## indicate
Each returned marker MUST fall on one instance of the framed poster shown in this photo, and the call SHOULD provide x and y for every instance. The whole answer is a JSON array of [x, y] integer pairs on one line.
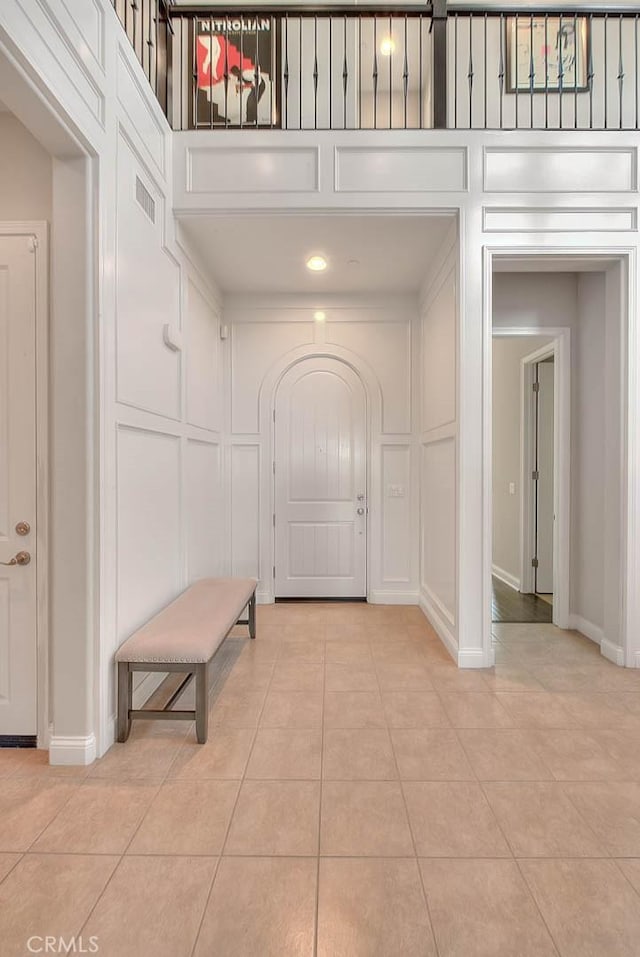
[[547, 54], [237, 72]]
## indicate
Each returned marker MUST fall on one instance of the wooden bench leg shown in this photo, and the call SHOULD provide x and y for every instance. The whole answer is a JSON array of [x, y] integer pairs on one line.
[[202, 702], [125, 687], [252, 616]]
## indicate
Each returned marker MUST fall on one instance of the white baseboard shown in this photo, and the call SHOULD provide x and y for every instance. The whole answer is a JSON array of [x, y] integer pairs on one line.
[[613, 652], [440, 620], [608, 649], [379, 596], [474, 658], [636, 660], [72, 750], [586, 628], [506, 577]]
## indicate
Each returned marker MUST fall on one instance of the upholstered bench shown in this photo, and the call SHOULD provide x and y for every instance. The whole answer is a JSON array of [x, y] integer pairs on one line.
[[184, 637]]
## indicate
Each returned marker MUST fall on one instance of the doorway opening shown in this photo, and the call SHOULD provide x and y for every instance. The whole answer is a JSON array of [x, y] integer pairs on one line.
[[558, 445]]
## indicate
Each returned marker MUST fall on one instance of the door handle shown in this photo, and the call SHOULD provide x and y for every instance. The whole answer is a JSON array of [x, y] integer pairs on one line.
[[22, 558], [360, 511]]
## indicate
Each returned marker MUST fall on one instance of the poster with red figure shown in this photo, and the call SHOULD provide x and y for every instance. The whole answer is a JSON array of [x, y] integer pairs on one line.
[[235, 69]]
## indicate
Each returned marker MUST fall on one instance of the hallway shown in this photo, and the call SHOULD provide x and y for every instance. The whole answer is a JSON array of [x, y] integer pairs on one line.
[[358, 795]]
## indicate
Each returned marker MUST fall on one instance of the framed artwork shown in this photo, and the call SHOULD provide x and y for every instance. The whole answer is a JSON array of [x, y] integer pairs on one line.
[[547, 53], [237, 72]]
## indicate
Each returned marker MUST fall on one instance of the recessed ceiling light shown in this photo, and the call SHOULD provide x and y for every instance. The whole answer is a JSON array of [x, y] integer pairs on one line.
[[316, 263], [319, 316], [388, 46]]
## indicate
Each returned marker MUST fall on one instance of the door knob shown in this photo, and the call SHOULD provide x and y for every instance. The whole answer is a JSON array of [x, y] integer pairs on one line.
[[22, 558], [23, 528], [360, 511]]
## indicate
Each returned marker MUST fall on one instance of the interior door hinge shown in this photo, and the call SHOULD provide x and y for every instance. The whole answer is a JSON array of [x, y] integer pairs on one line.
[[534, 562], [274, 415], [535, 475], [274, 571], [274, 519], [274, 468], [536, 386]]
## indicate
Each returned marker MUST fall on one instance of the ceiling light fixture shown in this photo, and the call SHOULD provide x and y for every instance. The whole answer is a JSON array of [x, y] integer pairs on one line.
[[316, 263], [388, 46], [319, 316]]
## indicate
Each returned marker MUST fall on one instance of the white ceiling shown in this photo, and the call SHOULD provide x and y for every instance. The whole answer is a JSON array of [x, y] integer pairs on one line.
[[267, 253]]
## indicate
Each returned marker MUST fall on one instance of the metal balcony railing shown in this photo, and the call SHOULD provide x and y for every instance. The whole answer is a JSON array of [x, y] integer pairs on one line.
[[415, 67]]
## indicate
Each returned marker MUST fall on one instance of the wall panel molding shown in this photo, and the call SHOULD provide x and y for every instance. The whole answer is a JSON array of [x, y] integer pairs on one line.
[[530, 219], [238, 169], [394, 169], [559, 169]]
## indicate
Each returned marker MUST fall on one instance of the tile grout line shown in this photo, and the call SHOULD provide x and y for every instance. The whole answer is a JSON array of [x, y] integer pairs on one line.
[[317, 901], [235, 803], [413, 841]]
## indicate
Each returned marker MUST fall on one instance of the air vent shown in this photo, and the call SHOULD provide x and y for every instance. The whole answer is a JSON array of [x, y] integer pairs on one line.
[[145, 199]]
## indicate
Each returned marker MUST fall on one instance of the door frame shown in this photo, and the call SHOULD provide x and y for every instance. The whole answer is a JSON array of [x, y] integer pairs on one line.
[[39, 231], [627, 652], [560, 349], [266, 401], [367, 454]]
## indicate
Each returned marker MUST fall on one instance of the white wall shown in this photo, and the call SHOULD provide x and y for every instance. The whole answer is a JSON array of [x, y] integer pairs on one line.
[[268, 334], [438, 424], [507, 439], [25, 174]]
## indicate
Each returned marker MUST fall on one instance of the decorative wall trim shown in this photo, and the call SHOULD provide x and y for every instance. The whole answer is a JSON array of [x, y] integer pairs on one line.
[[252, 169], [568, 169], [475, 658], [434, 613], [551, 219], [72, 751], [394, 169], [506, 577], [380, 596], [587, 628]]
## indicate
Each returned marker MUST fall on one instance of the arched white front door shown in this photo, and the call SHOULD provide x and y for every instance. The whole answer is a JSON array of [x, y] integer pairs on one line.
[[320, 482]]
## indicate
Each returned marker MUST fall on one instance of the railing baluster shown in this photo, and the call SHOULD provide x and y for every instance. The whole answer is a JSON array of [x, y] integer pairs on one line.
[[576, 58], [532, 72], [620, 71], [285, 74], [560, 74], [315, 72], [405, 71], [391, 42], [546, 70], [637, 68], [470, 73], [501, 68], [420, 78], [606, 73], [375, 73], [484, 67], [330, 26], [345, 73], [455, 71], [590, 73]]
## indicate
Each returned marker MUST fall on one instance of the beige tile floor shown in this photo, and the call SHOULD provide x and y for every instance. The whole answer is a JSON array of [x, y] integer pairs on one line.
[[358, 797]]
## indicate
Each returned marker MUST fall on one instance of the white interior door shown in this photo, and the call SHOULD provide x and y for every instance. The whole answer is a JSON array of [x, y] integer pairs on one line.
[[544, 485], [320, 482], [18, 676]]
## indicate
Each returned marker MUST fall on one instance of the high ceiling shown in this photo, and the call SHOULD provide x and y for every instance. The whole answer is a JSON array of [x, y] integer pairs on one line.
[[365, 253]]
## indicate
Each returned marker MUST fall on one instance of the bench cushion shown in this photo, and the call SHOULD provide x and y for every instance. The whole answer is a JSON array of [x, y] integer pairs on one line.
[[192, 627]]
